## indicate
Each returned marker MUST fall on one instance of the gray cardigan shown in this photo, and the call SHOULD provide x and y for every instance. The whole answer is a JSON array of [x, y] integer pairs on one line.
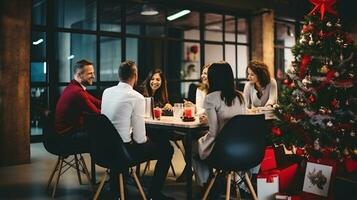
[[269, 95]]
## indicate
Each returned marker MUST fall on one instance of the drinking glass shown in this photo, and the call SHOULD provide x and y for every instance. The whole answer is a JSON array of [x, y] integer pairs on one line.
[[178, 110], [157, 113], [189, 111]]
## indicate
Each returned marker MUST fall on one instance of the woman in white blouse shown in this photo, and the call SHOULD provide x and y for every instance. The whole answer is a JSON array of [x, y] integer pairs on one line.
[[261, 90], [202, 90], [221, 104]]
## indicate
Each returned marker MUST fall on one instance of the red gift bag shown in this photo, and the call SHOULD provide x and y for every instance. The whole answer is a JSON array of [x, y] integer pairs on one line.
[[287, 175], [269, 161]]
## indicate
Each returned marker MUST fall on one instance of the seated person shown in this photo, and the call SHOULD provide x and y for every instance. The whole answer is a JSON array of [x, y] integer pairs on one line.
[[125, 108], [261, 90], [73, 102], [221, 104], [155, 86]]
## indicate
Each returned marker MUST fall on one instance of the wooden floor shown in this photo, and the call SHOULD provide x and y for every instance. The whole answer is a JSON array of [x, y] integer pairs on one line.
[[29, 181]]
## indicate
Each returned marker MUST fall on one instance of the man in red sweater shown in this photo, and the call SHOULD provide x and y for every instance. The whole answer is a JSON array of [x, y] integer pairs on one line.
[[74, 101]]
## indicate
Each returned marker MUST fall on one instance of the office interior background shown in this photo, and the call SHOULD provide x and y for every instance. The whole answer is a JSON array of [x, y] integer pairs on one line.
[[42, 39]]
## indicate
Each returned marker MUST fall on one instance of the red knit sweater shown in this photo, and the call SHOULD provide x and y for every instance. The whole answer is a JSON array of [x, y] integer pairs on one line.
[[73, 102]]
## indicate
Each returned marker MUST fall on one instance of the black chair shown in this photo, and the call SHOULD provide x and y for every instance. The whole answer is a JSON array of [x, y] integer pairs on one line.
[[108, 151], [67, 158], [238, 147]]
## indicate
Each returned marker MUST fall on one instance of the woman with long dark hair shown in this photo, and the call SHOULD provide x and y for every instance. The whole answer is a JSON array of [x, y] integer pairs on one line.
[[222, 102], [155, 86]]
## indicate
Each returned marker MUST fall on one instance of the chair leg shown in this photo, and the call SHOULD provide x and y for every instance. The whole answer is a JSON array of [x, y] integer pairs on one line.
[[147, 167], [173, 169], [77, 169], [210, 185], [55, 168], [142, 193], [250, 186], [180, 148], [121, 187], [237, 186], [85, 170], [58, 176], [100, 187], [228, 186]]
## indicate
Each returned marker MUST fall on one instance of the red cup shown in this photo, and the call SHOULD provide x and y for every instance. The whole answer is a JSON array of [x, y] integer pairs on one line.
[[187, 113], [157, 113]]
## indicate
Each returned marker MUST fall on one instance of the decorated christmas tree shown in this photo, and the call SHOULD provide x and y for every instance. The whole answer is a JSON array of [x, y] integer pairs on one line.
[[318, 98]]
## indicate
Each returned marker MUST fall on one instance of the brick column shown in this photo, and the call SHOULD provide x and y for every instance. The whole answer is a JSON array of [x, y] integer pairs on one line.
[[15, 38], [263, 38]]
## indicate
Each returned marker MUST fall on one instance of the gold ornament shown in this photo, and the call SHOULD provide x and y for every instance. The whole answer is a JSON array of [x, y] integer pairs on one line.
[[324, 69]]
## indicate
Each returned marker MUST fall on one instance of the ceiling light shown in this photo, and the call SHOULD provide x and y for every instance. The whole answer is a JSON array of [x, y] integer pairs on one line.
[[148, 10], [177, 15], [39, 41]]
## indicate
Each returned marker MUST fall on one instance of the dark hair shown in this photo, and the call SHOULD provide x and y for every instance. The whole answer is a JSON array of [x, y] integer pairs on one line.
[[160, 96], [202, 86], [80, 65], [220, 78], [126, 70], [261, 70]]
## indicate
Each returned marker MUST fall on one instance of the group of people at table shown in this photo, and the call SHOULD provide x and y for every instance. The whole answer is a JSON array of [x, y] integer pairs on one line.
[[217, 101]]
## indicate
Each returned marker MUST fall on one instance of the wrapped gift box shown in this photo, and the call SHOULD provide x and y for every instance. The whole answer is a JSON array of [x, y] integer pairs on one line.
[[350, 165], [267, 184], [269, 161]]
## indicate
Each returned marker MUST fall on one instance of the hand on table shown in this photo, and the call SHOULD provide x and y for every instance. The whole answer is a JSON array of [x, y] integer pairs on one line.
[[167, 107], [203, 119]]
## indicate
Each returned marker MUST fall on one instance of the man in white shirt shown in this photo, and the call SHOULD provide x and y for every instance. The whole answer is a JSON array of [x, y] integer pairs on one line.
[[125, 108]]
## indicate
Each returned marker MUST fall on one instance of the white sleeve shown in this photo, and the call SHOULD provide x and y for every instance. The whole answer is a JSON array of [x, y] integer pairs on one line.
[[200, 97], [246, 94], [273, 93], [137, 121]]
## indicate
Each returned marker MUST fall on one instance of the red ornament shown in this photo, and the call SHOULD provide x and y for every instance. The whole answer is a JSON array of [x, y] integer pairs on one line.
[[300, 151], [292, 85], [323, 6], [307, 28], [311, 98], [287, 82], [335, 103], [305, 61], [194, 49], [276, 131]]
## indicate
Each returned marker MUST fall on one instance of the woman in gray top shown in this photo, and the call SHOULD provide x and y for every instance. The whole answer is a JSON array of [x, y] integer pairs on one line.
[[261, 90]]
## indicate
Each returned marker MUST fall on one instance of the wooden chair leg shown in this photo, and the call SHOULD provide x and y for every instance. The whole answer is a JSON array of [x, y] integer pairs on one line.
[[250, 186], [147, 167], [77, 169], [228, 186], [173, 169], [55, 168], [85, 169], [210, 185], [237, 186], [121, 187], [58, 177], [142, 193], [100, 187]]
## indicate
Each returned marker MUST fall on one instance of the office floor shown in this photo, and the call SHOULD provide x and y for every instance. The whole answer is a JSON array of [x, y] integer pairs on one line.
[[29, 181]]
